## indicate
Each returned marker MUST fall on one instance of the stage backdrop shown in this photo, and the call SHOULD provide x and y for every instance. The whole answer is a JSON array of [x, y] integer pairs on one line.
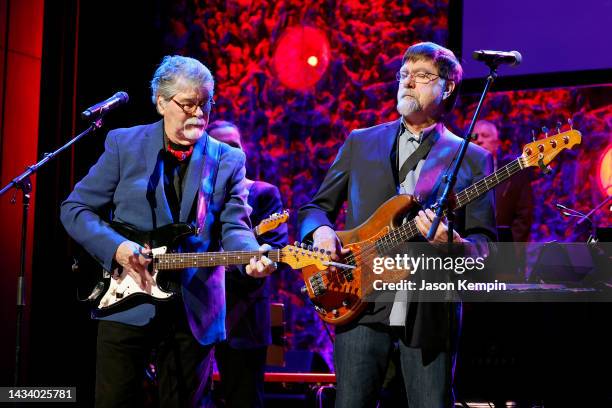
[[297, 76]]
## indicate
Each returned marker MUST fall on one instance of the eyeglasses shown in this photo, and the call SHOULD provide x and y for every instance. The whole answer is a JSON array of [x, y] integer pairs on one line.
[[191, 108], [418, 77]]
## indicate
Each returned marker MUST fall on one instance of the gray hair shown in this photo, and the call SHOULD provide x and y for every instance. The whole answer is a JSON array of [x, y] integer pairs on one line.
[[176, 68]]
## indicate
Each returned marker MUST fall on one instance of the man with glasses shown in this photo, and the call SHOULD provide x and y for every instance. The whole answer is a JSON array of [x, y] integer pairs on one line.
[[150, 176], [405, 156]]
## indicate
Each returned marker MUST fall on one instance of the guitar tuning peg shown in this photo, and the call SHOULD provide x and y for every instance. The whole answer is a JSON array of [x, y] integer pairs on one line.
[[545, 130], [559, 124], [570, 122], [533, 135], [310, 247], [315, 249], [297, 244], [322, 251], [303, 245], [328, 253]]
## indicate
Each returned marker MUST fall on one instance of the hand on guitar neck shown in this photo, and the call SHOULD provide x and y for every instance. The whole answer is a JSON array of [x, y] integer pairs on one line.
[[423, 222], [325, 238], [134, 260], [262, 267]]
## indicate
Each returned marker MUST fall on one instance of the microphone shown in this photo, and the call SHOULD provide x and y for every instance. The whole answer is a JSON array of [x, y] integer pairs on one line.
[[498, 57], [100, 109]]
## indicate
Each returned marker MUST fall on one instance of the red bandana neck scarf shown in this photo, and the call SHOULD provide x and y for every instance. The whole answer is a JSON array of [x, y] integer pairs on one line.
[[180, 155]]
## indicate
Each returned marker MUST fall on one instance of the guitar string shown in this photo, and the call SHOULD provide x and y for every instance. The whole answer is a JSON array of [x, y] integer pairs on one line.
[[388, 241], [409, 230], [384, 243], [511, 168]]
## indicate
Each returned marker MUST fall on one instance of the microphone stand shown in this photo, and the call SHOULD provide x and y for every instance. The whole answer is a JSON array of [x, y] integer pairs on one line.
[[570, 212], [444, 204], [23, 183], [593, 237]]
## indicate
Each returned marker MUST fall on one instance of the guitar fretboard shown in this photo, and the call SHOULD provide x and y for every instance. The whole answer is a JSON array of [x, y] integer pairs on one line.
[[409, 230], [209, 259]]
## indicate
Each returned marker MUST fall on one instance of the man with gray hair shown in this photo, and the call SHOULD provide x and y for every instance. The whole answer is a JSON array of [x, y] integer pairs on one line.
[[150, 176]]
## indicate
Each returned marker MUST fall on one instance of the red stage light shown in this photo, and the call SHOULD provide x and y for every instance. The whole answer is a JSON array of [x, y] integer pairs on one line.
[[301, 57], [605, 172]]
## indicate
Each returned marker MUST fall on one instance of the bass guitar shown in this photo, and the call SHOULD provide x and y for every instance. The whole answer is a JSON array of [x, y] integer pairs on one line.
[[338, 297]]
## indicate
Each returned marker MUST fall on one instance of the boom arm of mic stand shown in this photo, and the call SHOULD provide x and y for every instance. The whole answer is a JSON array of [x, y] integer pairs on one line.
[[450, 179], [18, 181], [22, 182]]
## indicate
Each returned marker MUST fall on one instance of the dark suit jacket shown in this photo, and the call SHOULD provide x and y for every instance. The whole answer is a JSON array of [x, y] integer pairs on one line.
[[129, 178], [514, 203], [365, 174], [248, 305]]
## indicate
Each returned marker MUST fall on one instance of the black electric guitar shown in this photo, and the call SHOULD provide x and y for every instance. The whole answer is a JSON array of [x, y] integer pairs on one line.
[[122, 293]]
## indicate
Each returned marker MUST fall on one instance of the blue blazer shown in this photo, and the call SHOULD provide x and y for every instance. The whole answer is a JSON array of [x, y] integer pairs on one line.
[[128, 180], [365, 175]]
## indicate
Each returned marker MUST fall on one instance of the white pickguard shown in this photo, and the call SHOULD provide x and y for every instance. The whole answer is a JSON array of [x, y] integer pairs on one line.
[[125, 286]]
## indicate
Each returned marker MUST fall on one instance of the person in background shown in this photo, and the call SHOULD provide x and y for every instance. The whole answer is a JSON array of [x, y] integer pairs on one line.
[[241, 357], [513, 197]]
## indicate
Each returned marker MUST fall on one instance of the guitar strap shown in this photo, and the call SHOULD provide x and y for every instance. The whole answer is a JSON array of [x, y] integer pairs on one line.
[[412, 160]]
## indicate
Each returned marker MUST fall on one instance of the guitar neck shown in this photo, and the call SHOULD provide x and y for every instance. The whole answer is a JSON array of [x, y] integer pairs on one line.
[[210, 259], [409, 230], [479, 188]]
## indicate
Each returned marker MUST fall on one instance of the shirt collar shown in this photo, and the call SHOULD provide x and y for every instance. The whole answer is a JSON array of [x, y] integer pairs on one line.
[[421, 136]]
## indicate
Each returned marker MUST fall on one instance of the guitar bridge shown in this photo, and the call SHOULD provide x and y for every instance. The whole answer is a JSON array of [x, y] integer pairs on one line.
[[317, 285]]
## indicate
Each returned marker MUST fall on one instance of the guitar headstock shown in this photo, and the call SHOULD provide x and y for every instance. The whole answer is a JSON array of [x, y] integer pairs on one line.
[[272, 222], [543, 151], [300, 256]]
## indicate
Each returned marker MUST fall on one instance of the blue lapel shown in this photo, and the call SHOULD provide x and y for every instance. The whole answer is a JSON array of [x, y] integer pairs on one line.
[[435, 166], [193, 177], [154, 146], [387, 141]]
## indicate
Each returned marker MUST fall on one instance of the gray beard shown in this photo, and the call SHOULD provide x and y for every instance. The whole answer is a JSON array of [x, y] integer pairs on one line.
[[406, 106]]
